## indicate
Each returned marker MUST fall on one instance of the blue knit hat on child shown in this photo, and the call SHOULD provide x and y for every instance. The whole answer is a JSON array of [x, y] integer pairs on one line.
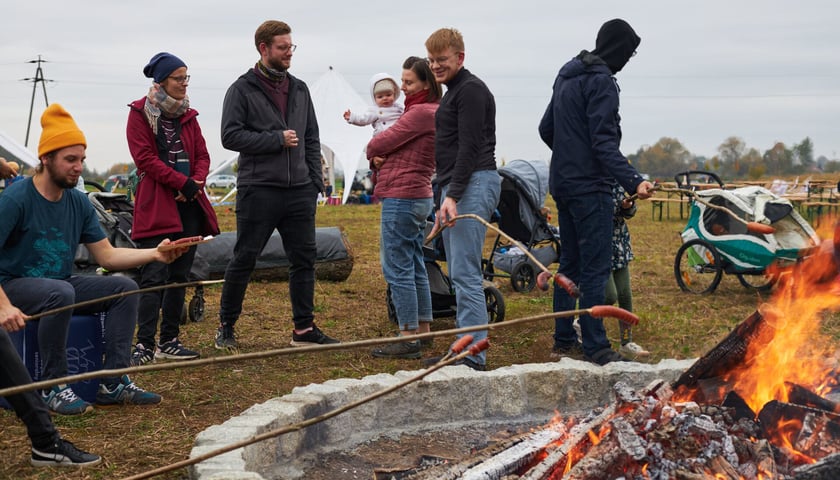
[[162, 65]]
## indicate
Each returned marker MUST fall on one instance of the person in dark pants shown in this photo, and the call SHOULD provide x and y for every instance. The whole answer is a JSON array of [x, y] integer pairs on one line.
[[43, 220], [48, 448], [268, 117], [167, 146], [581, 126]]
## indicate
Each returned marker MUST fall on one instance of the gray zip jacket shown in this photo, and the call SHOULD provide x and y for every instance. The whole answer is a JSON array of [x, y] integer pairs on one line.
[[253, 126]]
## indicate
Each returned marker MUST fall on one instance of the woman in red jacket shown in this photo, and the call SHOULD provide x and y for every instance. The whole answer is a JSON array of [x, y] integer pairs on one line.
[[167, 146], [404, 156]]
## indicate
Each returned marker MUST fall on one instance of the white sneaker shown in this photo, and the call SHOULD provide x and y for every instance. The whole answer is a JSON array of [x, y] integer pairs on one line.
[[633, 350]]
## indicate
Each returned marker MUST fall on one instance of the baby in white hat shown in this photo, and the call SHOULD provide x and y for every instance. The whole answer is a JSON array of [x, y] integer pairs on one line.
[[385, 91]]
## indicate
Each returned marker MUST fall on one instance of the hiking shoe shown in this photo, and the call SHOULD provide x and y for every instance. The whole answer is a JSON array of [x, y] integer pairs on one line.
[[174, 350], [141, 356], [125, 392], [312, 337], [62, 400], [62, 454], [633, 350], [605, 356], [427, 343], [574, 350], [409, 350], [226, 338]]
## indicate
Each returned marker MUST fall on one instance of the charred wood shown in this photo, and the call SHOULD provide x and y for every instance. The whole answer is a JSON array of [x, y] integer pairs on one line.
[[802, 396], [828, 468]]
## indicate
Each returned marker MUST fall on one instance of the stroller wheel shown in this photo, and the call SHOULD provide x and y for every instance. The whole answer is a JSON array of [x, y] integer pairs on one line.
[[523, 278], [697, 267], [760, 282], [196, 308], [495, 303]]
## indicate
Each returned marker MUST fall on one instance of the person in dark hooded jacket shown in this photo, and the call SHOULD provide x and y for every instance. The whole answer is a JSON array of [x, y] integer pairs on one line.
[[581, 126]]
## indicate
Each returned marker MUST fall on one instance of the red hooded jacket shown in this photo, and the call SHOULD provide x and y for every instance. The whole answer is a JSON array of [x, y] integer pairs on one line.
[[155, 209]]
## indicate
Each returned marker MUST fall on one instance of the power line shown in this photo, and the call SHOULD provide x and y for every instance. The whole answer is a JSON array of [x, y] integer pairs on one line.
[[39, 77]]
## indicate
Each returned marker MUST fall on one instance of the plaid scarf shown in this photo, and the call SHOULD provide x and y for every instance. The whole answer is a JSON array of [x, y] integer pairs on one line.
[[158, 103], [270, 73]]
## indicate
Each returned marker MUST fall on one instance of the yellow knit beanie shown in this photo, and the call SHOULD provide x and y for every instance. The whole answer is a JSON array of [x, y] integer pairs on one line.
[[58, 130]]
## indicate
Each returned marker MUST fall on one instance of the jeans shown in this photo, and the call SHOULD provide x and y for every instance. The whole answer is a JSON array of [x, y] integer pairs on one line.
[[33, 295], [585, 223], [403, 226], [259, 211], [464, 244], [29, 406], [169, 302]]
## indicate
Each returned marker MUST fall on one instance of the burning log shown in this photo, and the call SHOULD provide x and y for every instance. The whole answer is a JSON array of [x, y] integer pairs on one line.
[[802, 396], [825, 469], [729, 353], [801, 433]]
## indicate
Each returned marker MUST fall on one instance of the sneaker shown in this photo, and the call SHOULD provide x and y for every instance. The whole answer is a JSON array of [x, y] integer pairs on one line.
[[226, 338], [409, 350], [633, 350], [62, 400], [427, 343], [605, 356], [62, 454], [574, 350], [141, 356], [432, 361], [125, 392], [174, 350], [312, 337]]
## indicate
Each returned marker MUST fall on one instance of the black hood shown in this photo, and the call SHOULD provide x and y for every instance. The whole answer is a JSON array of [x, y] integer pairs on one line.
[[616, 43]]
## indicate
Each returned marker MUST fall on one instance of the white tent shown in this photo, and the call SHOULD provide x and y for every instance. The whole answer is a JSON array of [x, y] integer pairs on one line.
[[10, 149], [340, 141], [345, 143]]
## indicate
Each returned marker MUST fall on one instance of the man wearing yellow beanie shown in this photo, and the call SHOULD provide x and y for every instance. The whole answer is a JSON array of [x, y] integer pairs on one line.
[[43, 219]]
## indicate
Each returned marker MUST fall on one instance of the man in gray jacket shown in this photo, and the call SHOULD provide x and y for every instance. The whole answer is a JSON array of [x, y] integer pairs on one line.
[[268, 117]]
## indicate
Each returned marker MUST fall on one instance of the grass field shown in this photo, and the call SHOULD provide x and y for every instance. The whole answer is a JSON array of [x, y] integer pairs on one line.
[[133, 439]]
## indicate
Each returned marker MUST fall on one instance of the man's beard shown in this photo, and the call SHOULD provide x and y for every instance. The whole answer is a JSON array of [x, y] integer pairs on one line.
[[57, 179]]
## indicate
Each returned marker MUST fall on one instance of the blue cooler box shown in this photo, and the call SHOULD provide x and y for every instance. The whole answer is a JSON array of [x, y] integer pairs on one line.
[[84, 352]]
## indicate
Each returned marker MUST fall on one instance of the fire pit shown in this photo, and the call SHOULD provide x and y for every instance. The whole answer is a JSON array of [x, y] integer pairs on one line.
[[448, 400]]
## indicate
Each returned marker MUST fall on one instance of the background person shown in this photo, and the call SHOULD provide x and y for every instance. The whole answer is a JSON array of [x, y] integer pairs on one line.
[[465, 156], [167, 146], [618, 283], [43, 219], [581, 126], [404, 155], [48, 448], [268, 117]]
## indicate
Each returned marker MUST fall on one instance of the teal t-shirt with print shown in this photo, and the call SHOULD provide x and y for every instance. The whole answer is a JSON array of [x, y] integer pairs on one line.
[[38, 237]]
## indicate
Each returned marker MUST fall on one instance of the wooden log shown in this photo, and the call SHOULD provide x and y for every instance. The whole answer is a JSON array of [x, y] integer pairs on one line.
[[728, 353], [825, 469], [813, 433], [802, 396]]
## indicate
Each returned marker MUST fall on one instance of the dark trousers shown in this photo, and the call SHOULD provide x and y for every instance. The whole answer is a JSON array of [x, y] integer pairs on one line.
[[33, 295], [170, 302], [29, 406], [260, 211]]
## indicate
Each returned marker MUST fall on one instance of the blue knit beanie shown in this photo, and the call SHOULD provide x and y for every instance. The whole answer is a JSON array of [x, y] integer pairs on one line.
[[161, 65]]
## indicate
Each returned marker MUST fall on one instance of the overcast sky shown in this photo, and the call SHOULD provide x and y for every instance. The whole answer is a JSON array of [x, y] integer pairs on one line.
[[764, 71]]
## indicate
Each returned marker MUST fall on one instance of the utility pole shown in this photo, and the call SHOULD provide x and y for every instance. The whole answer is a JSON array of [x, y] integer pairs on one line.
[[39, 77]]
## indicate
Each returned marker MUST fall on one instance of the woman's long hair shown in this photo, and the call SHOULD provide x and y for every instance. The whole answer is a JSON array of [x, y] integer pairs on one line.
[[421, 68]]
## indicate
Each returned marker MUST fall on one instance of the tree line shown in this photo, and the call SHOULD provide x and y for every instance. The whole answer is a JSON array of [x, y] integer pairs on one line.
[[733, 161]]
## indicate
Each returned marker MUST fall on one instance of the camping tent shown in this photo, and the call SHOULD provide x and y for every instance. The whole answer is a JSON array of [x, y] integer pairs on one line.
[[12, 150], [341, 142], [345, 143]]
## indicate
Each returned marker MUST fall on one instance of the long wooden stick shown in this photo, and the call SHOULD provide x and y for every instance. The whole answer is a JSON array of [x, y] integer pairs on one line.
[[595, 311], [115, 296], [312, 421], [753, 227]]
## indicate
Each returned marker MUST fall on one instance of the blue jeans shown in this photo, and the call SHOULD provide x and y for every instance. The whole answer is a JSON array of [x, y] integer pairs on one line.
[[259, 211], [403, 225], [585, 223], [464, 244], [33, 295]]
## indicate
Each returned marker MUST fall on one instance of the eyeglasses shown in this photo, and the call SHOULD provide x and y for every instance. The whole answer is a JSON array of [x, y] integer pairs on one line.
[[181, 80], [438, 60], [286, 48]]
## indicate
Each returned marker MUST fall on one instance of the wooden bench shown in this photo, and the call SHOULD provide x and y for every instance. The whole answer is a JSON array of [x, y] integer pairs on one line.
[[656, 204]]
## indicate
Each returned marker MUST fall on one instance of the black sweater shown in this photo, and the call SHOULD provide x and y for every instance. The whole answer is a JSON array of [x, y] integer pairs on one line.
[[465, 132]]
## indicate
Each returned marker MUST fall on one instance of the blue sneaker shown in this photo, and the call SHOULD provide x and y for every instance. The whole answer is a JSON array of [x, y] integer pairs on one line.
[[62, 400], [125, 392]]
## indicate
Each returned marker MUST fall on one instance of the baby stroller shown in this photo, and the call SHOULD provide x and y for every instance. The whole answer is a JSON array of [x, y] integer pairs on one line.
[[714, 242], [443, 295], [522, 217]]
